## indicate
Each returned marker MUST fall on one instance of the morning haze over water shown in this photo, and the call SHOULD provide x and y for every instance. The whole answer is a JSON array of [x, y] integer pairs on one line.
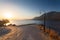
[[22, 22], [29, 19]]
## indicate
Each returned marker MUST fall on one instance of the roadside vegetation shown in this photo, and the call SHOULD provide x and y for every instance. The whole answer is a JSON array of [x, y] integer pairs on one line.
[[3, 29], [52, 34], [3, 22]]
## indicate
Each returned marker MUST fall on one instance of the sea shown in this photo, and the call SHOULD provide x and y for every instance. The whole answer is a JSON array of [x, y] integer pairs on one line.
[[55, 25], [23, 22]]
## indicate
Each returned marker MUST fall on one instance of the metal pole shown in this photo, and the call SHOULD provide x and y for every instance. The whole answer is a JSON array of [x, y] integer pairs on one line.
[[44, 22]]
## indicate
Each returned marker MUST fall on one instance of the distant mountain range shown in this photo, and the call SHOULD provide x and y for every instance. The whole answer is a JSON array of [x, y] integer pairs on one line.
[[53, 15]]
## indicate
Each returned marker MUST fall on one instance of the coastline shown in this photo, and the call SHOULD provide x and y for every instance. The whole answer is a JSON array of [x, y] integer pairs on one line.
[[49, 33]]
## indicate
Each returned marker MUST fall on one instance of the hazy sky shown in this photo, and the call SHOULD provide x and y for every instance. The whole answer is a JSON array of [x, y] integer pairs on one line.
[[27, 9]]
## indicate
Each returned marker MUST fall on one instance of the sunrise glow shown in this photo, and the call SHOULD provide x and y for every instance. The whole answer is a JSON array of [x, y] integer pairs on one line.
[[8, 15]]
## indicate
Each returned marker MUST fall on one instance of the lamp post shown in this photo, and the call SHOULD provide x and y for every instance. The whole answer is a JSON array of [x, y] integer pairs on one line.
[[45, 17], [44, 22]]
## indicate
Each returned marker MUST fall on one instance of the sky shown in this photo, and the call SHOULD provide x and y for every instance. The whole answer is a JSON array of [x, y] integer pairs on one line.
[[27, 9]]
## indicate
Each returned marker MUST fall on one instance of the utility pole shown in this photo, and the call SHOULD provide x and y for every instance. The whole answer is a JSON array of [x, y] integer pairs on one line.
[[44, 20]]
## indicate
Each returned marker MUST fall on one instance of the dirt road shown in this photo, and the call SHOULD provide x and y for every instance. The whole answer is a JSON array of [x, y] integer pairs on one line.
[[29, 32]]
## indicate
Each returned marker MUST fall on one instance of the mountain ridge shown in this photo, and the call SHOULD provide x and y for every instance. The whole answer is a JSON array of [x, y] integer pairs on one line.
[[53, 15]]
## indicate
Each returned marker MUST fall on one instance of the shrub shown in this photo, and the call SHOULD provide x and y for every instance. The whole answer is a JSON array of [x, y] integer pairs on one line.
[[3, 22]]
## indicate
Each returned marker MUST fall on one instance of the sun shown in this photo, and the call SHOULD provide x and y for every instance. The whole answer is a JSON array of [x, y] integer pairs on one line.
[[8, 15]]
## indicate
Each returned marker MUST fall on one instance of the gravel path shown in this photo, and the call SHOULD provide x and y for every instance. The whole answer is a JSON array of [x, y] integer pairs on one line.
[[24, 33]]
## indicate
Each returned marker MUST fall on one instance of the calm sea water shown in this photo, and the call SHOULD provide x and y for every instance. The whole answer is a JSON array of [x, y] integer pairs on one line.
[[49, 24], [22, 22]]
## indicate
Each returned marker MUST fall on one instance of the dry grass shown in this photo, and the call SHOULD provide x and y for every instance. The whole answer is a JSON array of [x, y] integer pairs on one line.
[[53, 35]]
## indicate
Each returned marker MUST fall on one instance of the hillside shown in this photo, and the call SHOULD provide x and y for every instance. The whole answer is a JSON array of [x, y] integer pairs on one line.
[[49, 16]]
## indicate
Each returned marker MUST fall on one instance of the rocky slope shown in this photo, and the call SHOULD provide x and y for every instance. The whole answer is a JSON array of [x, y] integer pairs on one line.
[[49, 16]]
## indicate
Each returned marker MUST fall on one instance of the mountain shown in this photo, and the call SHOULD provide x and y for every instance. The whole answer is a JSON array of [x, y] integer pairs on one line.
[[53, 15]]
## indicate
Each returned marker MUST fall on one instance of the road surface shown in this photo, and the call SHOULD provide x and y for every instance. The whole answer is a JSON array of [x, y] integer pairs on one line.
[[29, 32], [32, 33]]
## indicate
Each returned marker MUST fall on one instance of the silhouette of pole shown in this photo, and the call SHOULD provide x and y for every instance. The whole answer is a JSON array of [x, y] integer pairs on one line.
[[44, 22]]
